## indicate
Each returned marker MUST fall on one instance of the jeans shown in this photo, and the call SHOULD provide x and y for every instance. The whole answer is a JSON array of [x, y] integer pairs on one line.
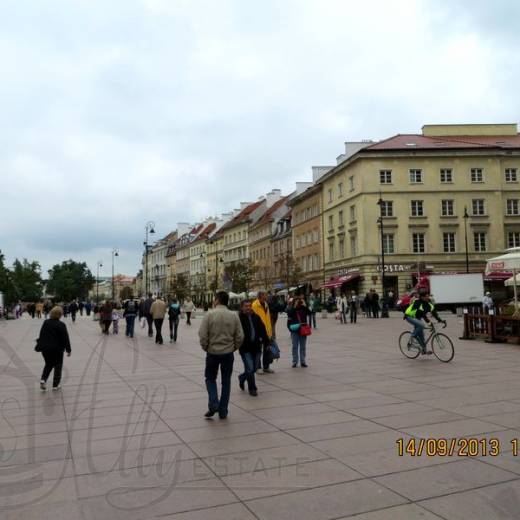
[[213, 362], [299, 347], [251, 364], [158, 330], [130, 322], [188, 318], [312, 319], [174, 325], [149, 320], [418, 331], [375, 310], [353, 314], [53, 360]]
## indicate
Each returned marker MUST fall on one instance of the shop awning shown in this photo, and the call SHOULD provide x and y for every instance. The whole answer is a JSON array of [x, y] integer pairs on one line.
[[338, 281], [498, 276]]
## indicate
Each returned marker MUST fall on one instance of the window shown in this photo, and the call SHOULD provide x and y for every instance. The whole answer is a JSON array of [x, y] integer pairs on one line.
[[479, 240], [352, 213], [447, 208], [388, 244], [418, 243], [385, 176], [446, 175], [511, 175], [340, 189], [387, 208], [330, 196], [477, 175], [512, 207], [353, 246], [342, 248], [448, 242], [513, 239], [331, 250], [331, 222], [316, 234], [417, 208], [340, 218], [415, 176], [478, 207], [351, 183]]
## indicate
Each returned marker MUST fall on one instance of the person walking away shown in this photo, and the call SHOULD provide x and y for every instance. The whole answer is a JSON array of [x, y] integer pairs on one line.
[[46, 309], [129, 314], [296, 317], [81, 306], [220, 334], [261, 309], [105, 317], [174, 314], [73, 309], [147, 305], [417, 311], [375, 304], [88, 308], [116, 316], [32, 310], [52, 342], [344, 309], [353, 302], [251, 348], [487, 302], [367, 304], [39, 309], [313, 304], [189, 308], [158, 311]]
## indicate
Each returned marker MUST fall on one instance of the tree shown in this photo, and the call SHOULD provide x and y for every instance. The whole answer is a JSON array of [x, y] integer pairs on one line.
[[265, 276], [181, 286], [239, 274], [70, 280], [6, 282], [26, 280], [126, 293], [290, 271]]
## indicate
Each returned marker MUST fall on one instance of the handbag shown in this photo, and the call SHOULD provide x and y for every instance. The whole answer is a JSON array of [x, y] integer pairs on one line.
[[295, 327], [305, 329], [274, 349]]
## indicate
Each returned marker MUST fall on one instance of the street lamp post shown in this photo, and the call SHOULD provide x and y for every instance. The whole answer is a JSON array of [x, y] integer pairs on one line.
[[99, 264], [115, 252], [149, 229], [384, 310], [466, 216]]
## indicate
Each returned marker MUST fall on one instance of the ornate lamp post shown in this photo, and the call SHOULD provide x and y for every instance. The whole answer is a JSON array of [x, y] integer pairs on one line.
[[380, 220], [99, 264], [149, 229], [115, 252]]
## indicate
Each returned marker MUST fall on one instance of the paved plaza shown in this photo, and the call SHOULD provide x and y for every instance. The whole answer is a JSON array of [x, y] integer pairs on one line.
[[126, 439]]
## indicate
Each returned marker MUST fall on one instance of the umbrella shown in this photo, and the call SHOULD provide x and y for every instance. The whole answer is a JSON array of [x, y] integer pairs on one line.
[[510, 282], [510, 261]]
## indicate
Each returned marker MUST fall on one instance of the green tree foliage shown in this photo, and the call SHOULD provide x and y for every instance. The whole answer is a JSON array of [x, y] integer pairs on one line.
[[26, 280], [6, 282], [70, 280], [240, 274], [181, 286]]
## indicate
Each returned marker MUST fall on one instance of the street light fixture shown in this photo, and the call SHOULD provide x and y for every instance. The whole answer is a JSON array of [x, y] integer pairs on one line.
[[466, 216], [115, 252], [99, 264], [380, 221], [149, 229]]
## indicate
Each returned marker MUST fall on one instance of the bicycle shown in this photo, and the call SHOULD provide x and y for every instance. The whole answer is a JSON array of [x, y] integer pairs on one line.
[[441, 345]]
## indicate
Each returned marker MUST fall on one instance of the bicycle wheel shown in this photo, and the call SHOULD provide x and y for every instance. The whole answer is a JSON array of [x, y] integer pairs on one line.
[[408, 345], [442, 347]]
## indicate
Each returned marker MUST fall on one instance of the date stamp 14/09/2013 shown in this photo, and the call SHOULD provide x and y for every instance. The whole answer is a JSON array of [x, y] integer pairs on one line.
[[455, 447]]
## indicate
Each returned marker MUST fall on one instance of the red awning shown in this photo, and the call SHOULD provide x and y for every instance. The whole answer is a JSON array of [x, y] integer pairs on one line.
[[338, 281], [497, 276]]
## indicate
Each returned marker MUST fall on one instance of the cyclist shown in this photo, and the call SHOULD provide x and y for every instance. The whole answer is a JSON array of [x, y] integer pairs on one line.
[[417, 311]]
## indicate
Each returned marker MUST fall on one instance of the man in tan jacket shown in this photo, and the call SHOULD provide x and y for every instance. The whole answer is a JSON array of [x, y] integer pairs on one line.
[[158, 311], [220, 334]]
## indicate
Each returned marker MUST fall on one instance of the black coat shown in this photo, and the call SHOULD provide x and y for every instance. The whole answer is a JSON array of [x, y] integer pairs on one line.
[[295, 316], [260, 334], [54, 337]]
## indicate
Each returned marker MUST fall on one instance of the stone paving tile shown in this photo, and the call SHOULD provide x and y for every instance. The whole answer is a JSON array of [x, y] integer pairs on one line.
[[417, 419], [334, 431], [407, 512], [372, 412], [463, 427], [315, 419], [230, 512]]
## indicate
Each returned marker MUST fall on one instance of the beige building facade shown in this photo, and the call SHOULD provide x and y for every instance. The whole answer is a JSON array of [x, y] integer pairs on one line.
[[421, 185]]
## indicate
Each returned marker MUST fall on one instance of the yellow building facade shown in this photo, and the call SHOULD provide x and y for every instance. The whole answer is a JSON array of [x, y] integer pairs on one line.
[[421, 185]]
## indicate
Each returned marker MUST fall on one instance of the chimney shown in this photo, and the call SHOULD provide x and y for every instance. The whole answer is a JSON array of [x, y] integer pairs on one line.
[[272, 197], [243, 205], [353, 147], [227, 216], [319, 171], [183, 228], [302, 186]]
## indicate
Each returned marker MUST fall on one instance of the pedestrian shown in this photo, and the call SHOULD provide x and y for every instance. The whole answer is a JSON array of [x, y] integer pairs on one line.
[[17, 311], [73, 309], [275, 307], [105, 317], [261, 309], [313, 305], [88, 308], [81, 306], [147, 305], [52, 342], [297, 325], [251, 349], [116, 316], [158, 311], [46, 309], [220, 334], [174, 313], [188, 308], [367, 304], [353, 303], [487, 302], [375, 304], [130, 312], [39, 310], [32, 309]]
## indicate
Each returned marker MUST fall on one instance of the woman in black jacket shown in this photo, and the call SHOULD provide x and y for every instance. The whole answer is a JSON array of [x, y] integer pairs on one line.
[[52, 343]]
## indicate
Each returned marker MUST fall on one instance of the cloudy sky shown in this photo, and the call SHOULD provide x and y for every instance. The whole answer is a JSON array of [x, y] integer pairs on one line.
[[123, 111]]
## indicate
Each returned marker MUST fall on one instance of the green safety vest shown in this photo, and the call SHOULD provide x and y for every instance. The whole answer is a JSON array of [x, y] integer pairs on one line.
[[411, 311]]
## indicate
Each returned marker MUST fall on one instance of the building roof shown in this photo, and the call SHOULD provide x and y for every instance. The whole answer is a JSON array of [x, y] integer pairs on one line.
[[206, 232], [422, 142], [243, 216], [309, 192], [268, 215]]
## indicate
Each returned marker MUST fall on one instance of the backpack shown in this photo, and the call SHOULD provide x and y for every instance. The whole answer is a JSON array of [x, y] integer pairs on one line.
[[131, 308]]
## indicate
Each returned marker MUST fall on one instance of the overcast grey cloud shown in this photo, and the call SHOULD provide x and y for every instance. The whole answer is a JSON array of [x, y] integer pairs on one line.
[[115, 113]]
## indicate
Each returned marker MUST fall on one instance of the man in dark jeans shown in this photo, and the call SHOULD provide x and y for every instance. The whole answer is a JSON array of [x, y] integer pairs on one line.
[[158, 312], [220, 334], [147, 314]]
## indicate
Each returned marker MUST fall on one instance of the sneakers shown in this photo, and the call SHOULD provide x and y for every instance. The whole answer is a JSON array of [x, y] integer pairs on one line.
[[54, 388], [241, 384], [209, 414], [43, 386], [268, 371], [294, 365], [304, 365], [254, 393]]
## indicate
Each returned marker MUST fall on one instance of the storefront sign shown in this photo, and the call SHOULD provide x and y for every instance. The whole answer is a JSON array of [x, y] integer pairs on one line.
[[347, 270], [396, 268]]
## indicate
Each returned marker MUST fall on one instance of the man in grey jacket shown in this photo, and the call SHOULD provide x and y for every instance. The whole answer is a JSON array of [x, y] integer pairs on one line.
[[220, 334]]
